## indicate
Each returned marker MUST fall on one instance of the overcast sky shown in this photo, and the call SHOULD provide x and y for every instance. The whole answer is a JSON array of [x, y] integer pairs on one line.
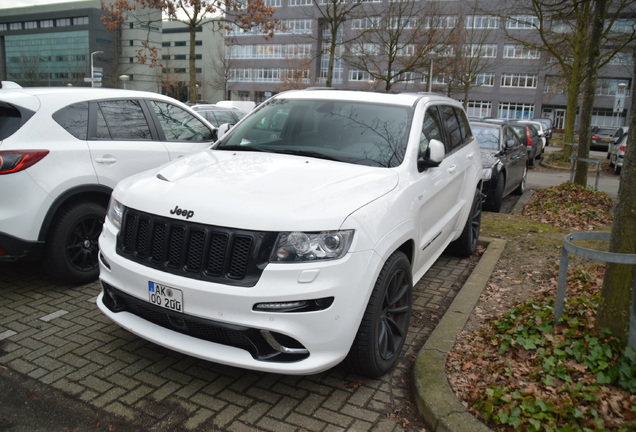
[[20, 3]]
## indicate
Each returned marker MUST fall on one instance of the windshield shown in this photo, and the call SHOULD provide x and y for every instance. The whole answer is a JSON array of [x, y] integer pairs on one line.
[[488, 137], [345, 131]]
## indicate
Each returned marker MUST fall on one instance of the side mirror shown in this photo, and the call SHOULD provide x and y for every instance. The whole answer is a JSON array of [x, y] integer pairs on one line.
[[222, 130], [434, 155]]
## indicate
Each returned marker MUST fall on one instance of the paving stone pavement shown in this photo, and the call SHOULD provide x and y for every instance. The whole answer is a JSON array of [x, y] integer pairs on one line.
[[54, 337]]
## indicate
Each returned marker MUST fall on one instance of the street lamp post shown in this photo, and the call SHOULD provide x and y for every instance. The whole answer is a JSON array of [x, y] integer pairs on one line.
[[92, 66], [123, 79], [432, 55]]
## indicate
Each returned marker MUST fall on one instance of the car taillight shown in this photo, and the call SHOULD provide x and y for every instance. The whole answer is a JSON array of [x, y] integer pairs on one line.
[[595, 137], [623, 148], [529, 143], [18, 160]]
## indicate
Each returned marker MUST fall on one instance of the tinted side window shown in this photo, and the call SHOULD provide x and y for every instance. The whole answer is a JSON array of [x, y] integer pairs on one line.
[[11, 119], [225, 117], [464, 126], [74, 119], [180, 125], [122, 120], [451, 125], [431, 129]]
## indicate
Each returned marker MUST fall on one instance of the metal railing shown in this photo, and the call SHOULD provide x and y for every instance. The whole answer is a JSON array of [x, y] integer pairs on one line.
[[611, 257]]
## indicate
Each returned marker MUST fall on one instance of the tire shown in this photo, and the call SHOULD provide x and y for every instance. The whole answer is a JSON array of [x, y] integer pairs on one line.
[[466, 244], [493, 203], [71, 249], [531, 160], [521, 188], [617, 169], [384, 327]]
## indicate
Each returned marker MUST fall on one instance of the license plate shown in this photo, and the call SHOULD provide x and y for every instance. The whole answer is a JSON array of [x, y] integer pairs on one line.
[[165, 296]]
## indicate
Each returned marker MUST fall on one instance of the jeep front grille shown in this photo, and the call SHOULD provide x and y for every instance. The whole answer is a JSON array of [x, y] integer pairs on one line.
[[193, 250]]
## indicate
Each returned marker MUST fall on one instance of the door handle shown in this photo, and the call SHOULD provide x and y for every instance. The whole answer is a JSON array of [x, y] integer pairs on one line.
[[452, 169], [106, 160], [470, 155]]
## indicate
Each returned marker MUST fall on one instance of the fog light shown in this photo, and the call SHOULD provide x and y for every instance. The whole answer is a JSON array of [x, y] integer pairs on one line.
[[295, 306]]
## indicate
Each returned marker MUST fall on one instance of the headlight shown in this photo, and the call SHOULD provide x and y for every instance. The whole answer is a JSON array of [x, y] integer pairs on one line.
[[487, 173], [115, 212], [311, 246]]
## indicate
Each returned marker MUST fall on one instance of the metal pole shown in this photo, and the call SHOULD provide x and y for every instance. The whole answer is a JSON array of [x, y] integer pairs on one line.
[[430, 76], [92, 62]]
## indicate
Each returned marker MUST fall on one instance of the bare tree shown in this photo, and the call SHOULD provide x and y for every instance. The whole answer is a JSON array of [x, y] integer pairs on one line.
[[563, 29], [469, 56], [332, 16], [393, 46], [244, 14]]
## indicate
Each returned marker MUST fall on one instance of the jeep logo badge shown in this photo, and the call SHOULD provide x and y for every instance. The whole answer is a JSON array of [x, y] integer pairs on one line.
[[181, 212]]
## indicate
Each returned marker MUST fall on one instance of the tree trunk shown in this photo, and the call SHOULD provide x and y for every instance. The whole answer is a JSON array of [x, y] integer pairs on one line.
[[191, 65], [594, 51], [615, 308]]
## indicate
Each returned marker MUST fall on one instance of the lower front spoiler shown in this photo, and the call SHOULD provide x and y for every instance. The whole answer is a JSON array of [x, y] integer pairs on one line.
[[262, 345]]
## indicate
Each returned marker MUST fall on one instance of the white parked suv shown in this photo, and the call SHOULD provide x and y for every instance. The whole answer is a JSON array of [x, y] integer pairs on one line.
[[62, 150], [294, 243]]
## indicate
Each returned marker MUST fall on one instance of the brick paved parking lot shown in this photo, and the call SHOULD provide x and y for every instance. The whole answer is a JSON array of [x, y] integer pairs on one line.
[[55, 337]]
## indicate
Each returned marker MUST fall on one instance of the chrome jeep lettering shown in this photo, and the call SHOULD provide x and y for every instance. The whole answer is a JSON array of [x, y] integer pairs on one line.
[[181, 212]]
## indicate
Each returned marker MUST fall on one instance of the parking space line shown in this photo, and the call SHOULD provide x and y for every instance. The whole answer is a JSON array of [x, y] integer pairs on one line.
[[7, 334], [54, 315]]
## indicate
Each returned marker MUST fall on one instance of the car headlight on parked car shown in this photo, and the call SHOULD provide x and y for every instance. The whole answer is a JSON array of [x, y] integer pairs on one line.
[[487, 173], [299, 246], [115, 212]]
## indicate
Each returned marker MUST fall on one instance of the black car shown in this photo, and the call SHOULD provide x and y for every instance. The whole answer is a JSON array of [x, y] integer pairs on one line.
[[504, 161], [529, 136]]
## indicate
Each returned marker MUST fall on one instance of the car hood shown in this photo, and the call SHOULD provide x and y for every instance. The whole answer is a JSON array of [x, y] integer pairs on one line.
[[260, 191]]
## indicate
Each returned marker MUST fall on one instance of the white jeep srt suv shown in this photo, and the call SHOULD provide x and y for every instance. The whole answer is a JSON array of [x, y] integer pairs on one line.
[[294, 242]]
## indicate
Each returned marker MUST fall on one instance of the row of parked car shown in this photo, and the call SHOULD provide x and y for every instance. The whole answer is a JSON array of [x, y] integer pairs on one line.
[[508, 148], [614, 140]]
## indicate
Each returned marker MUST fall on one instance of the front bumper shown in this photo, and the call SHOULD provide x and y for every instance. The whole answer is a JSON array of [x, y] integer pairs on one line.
[[219, 322]]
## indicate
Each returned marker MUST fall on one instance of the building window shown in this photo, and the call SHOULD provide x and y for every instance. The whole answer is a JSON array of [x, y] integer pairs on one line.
[[555, 84], [359, 75], [180, 57], [522, 22], [622, 59], [300, 3], [31, 25], [180, 43], [440, 21], [515, 111], [15, 26], [46, 23], [62, 22], [482, 22], [297, 26], [198, 43], [480, 50], [521, 52], [403, 22], [366, 23], [518, 80], [486, 79], [479, 109], [3, 27], [273, 3], [165, 44], [80, 21], [179, 70], [609, 86], [165, 57]]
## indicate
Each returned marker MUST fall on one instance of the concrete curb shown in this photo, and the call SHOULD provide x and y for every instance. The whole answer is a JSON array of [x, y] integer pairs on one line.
[[436, 401]]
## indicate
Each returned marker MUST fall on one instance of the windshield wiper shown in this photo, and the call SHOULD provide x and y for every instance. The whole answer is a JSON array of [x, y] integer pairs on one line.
[[241, 148], [309, 153]]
